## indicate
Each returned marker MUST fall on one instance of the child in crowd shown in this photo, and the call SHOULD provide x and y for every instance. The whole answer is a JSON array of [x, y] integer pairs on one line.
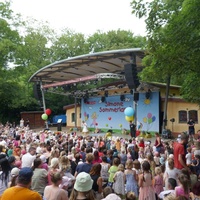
[[189, 156], [170, 172], [183, 188], [141, 154], [158, 181], [137, 167], [146, 190], [112, 170], [130, 196], [119, 181], [131, 178], [157, 158], [152, 163]]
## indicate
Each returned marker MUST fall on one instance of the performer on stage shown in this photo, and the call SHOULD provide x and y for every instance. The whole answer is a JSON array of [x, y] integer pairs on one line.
[[132, 129], [85, 129]]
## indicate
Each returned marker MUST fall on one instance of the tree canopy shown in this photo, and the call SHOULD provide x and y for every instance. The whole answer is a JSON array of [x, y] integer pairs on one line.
[[27, 46], [173, 43]]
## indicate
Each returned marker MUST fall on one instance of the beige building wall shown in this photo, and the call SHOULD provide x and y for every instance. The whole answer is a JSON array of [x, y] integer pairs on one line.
[[173, 112], [70, 121]]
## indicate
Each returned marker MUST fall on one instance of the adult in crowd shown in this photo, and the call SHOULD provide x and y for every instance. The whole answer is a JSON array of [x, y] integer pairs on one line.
[[53, 192], [39, 179], [95, 174], [82, 187], [21, 190], [85, 167], [132, 129], [191, 129], [171, 188], [158, 144], [54, 167], [14, 174], [179, 153], [28, 158], [5, 166]]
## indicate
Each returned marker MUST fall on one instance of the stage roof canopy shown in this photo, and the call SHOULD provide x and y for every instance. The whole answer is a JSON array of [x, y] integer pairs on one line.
[[87, 66]]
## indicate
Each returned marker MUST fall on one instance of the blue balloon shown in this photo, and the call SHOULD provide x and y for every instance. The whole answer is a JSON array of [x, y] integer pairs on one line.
[[129, 111], [153, 119]]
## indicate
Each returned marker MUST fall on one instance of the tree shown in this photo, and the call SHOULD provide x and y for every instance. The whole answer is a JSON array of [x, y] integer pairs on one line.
[[120, 39], [173, 42]]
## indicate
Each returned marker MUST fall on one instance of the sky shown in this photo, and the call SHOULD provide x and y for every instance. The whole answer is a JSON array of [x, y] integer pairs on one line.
[[84, 16]]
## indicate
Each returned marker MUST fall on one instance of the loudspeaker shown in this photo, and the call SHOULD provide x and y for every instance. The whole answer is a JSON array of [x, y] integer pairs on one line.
[[103, 99], [122, 97], [136, 96], [85, 99], [130, 71], [37, 91], [172, 120], [148, 95]]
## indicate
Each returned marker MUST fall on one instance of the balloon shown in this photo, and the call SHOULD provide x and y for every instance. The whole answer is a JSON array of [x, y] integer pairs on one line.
[[106, 125], [48, 111], [150, 120], [153, 119], [109, 118], [147, 101], [120, 125], [145, 120], [129, 119], [149, 115], [129, 111], [44, 116], [96, 124]]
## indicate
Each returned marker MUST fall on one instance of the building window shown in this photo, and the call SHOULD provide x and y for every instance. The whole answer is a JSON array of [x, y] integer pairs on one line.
[[73, 117], [193, 114], [182, 116]]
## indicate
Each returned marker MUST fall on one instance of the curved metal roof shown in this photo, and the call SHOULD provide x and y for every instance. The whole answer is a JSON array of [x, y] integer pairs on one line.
[[87, 65]]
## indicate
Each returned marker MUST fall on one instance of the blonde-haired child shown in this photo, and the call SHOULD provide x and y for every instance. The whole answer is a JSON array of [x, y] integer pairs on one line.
[[158, 181], [131, 178], [131, 196], [119, 181]]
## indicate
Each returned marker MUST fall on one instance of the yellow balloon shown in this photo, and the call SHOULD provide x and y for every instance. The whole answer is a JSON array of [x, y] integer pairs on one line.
[[129, 119]]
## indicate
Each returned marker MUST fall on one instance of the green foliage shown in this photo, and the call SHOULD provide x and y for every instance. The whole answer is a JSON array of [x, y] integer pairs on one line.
[[27, 46], [173, 43]]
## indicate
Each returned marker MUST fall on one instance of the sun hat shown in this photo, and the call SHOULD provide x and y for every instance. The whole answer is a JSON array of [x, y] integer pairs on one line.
[[43, 158], [83, 182], [14, 172], [26, 173], [54, 162]]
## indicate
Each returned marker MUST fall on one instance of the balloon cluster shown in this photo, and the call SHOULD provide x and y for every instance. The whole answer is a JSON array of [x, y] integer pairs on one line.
[[149, 119], [129, 114], [46, 114]]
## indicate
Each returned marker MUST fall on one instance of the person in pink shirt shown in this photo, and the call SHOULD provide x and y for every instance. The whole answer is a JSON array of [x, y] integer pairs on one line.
[[183, 188], [97, 159]]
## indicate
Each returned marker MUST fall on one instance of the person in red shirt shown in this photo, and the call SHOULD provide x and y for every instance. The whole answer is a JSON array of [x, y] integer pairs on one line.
[[179, 152], [141, 143]]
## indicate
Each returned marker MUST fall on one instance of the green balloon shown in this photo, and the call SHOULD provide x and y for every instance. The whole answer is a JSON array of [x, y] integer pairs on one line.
[[149, 120], [44, 116]]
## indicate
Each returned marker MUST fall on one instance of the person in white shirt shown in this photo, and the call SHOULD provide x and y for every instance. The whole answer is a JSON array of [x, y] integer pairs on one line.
[[171, 190], [189, 156], [28, 158]]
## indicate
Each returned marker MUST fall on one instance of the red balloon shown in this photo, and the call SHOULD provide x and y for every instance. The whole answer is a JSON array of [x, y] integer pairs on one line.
[[109, 118], [48, 111], [96, 124]]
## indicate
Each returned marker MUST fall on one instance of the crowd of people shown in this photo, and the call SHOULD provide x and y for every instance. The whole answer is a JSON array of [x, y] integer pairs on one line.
[[60, 166]]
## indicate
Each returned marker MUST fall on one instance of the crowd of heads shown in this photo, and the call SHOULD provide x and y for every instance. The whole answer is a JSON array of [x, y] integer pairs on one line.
[[61, 152]]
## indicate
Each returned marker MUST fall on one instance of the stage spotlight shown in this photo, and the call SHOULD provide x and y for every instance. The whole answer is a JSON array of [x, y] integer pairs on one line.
[[122, 97]]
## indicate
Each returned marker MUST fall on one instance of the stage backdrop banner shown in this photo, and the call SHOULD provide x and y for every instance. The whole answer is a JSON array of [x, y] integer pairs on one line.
[[110, 113]]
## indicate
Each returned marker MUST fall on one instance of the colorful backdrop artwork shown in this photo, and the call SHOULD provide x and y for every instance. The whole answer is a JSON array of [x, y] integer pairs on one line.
[[110, 114]]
